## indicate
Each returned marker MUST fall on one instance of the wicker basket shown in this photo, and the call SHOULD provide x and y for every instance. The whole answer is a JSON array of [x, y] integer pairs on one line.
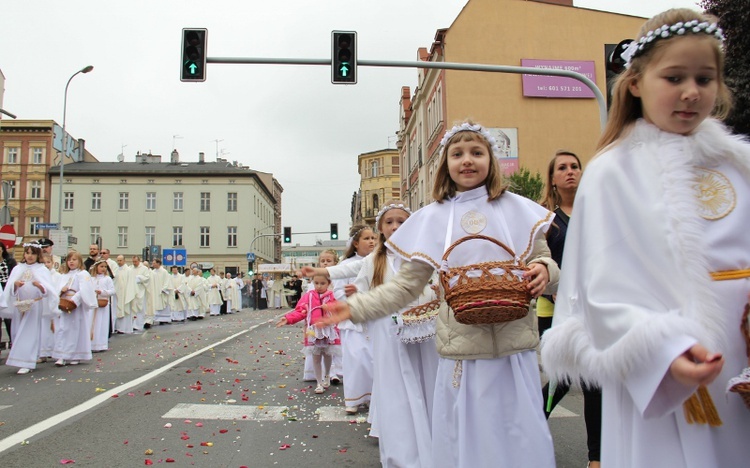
[[102, 302], [66, 305], [491, 297], [741, 383], [417, 324]]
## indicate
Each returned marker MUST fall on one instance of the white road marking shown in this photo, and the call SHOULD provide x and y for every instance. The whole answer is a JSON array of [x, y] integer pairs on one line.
[[258, 413], [2, 407], [560, 412], [25, 434]]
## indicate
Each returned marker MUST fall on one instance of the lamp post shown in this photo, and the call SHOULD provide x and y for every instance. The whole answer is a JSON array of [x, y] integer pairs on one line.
[[64, 141]]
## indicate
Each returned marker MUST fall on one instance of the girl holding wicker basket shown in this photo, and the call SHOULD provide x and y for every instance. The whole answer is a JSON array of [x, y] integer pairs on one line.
[[657, 258], [490, 250]]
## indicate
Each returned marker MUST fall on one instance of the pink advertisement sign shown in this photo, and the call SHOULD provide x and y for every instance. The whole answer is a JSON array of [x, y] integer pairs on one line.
[[558, 86]]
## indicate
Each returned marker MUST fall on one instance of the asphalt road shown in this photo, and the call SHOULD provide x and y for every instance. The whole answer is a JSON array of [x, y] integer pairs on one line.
[[221, 392]]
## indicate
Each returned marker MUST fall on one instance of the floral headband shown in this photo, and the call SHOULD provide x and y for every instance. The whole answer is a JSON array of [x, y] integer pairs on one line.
[[392, 206], [356, 233], [33, 244], [636, 48], [467, 127]]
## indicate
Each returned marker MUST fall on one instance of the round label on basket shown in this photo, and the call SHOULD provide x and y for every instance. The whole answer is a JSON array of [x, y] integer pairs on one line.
[[473, 222]]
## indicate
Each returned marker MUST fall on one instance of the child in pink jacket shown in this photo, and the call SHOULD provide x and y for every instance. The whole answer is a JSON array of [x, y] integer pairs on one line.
[[320, 343]]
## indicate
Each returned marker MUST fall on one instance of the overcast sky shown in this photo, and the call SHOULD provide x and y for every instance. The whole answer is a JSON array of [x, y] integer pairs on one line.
[[287, 120]]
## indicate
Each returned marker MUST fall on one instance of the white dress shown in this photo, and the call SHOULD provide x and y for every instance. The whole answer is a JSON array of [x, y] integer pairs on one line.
[[48, 327], [663, 211], [73, 330], [403, 382], [27, 306], [100, 321]]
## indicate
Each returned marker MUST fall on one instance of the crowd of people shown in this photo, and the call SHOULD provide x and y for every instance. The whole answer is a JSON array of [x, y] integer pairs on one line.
[[65, 310]]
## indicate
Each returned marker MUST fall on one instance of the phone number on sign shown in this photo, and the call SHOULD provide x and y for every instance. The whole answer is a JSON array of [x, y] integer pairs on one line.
[[560, 88]]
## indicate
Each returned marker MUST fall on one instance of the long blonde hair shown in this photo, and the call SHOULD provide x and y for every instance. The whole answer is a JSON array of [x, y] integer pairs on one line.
[[444, 187], [626, 108], [379, 261], [64, 268]]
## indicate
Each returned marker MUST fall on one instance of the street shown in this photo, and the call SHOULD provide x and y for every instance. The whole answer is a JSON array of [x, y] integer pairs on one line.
[[224, 391]]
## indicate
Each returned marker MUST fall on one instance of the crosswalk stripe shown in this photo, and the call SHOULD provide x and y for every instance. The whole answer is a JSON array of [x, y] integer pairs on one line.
[[2, 407], [560, 412]]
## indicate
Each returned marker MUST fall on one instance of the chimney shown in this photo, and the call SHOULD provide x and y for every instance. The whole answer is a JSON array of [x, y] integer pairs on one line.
[[175, 157], [201, 158]]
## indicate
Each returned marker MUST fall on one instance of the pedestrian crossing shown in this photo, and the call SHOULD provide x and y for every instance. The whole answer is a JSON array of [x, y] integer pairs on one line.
[[284, 413]]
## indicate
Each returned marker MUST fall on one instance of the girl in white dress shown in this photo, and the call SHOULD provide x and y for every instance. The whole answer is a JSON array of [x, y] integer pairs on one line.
[[657, 258], [104, 288], [404, 374], [487, 407], [28, 285], [73, 328], [48, 328]]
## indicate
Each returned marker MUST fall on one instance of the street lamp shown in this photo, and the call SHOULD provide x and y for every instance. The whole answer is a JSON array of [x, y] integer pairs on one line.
[[64, 141]]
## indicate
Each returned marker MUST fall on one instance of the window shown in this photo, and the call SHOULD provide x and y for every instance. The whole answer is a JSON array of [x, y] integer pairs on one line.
[[36, 189], [68, 201], [96, 201], [151, 201], [33, 220], [12, 156], [96, 233], [375, 203], [205, 201], [122, 236], [176, 236], [232, 236], [374, 169], [150, 235], [177, 205], [205, 236], [124, 201], [12, 191], [37, 156], [232, 201]]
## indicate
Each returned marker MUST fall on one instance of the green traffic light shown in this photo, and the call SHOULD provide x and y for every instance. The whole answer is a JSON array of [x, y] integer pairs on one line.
[[343, 69]]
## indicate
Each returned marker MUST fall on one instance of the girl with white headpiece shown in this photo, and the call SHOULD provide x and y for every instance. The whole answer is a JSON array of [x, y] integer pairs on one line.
[[487, 407]]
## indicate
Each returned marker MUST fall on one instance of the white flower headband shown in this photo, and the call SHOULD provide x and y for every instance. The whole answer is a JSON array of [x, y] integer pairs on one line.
[[467, 127], [356, 233], [636, 48], [33, 244], [392, 206]]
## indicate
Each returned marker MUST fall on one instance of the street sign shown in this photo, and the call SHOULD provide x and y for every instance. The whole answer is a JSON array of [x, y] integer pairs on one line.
[[72, 240], [251, 257], [4, 216], [46, 225], [8, 236], [174, 257], [60, 239]]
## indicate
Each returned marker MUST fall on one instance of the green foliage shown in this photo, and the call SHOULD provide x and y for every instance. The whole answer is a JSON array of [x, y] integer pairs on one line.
[[734, 18], [523, 183]]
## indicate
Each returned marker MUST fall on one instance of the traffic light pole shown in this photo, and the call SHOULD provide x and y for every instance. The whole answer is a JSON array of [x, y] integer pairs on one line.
[[436, 65]]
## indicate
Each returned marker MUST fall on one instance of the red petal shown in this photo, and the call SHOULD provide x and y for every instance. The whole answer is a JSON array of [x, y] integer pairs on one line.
[[148, 462], [343, 450], [185, 437], [169, 460], [223, 431], [147, 393], [115, 395], [65, 461]]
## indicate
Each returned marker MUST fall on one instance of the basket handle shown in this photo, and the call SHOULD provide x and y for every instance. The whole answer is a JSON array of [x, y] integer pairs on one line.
[[477, 237]]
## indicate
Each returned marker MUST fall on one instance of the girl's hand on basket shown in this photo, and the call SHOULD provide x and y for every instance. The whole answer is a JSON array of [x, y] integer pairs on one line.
[[39, 286], [350, 289], [338, 312], [696, 366], [538, 277], [282, 321], [19, 284]]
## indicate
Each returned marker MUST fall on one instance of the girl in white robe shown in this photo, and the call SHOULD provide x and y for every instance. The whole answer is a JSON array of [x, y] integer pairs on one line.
[[487, 405], [28, 285], [48, 328], [403, 374], [104, 288], [657, 259], [73, 329]]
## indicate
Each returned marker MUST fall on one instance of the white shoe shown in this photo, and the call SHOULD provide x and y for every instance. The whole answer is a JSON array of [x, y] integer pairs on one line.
[[23, 371], [335, 380], [60, 362], [352, 409], [326, 382], [73, 363], [319, 389]]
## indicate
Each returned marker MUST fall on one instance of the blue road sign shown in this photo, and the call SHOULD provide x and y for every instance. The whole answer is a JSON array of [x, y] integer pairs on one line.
[[251, 257], [46, 225], [174, 257]]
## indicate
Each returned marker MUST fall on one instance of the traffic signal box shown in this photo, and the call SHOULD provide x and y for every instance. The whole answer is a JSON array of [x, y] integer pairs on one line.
[[334, 231], [287, 235], [194, 46], [344, 57]]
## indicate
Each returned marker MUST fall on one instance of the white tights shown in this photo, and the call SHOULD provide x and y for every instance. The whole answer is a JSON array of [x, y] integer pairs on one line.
[[326, 360]]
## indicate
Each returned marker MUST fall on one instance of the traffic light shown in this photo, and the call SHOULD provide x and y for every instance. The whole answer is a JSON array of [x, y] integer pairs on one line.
[[334, 231], [287, 235], [194, 45], [344, 57], [250, 268]]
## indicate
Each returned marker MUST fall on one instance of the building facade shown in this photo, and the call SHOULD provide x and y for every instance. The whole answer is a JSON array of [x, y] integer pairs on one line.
[[28, 154], [217, 212], [530, 117], [379, 182]]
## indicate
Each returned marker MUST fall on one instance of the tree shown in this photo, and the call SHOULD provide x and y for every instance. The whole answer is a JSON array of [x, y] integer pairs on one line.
[[523, 183], [734, 19]]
